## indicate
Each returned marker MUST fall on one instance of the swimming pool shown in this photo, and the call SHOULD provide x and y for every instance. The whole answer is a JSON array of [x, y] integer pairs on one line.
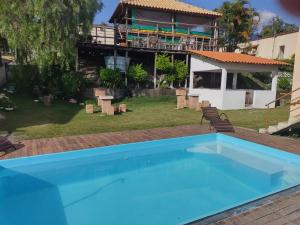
[[165, 182]]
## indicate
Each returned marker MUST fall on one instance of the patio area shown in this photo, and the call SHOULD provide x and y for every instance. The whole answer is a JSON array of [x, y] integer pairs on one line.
[[214, 77], [278, 210]]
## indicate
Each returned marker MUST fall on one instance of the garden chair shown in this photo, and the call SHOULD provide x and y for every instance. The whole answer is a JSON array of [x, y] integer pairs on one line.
[[212, 115]]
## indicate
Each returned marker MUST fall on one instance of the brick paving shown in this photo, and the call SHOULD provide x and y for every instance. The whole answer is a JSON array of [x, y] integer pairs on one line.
[[279, 211]]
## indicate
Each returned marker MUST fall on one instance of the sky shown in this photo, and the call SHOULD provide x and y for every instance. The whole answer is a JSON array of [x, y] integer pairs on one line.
[[267, 9]]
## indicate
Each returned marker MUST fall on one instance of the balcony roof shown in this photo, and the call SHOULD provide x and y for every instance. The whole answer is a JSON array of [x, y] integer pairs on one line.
[[164, 5], [230, 57]]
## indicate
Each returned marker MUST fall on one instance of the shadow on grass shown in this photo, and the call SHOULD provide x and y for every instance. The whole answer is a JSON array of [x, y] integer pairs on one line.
[[30, 113]]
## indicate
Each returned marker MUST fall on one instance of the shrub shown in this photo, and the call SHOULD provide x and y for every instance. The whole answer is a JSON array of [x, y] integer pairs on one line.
[[164, 63], [285, 83], [181, 70], [111, 78], [137, 73], [171, 71], [25, 77], [5, 101], [72, 84]]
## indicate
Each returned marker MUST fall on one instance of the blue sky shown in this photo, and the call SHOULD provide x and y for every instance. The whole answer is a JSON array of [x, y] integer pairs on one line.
[[267, 8]]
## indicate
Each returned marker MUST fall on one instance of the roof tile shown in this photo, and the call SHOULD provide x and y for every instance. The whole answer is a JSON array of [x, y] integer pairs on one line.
[[171, 5], [230, 57]]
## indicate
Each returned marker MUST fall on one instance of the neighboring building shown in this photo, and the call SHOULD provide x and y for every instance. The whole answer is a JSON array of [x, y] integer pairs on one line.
[[283, 46], [214, 78], [143, 28]]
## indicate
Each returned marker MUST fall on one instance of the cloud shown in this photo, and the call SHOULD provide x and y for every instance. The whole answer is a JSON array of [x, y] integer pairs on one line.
[[266, 18]]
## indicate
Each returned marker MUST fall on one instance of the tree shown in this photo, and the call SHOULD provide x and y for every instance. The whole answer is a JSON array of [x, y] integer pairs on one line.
[[278, 26], [181, 69], [238, 22], [138, 73], [171, 72], [45, 32]]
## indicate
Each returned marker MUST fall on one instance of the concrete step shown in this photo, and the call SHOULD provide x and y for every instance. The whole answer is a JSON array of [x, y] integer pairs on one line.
[[283, 125], [272, 129], [263, 131]]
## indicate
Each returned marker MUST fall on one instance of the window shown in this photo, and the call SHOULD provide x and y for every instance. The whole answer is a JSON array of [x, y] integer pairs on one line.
[[281, 52]]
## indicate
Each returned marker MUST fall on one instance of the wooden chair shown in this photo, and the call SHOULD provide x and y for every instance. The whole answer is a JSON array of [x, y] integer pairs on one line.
[[215, 119]]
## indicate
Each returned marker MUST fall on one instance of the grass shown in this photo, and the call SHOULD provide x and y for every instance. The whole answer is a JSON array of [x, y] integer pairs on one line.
[[33, 120]]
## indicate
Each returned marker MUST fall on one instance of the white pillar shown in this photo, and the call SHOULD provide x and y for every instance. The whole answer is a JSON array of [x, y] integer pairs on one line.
[[224, 80], [274, 80], [191, 86], [234, 81]]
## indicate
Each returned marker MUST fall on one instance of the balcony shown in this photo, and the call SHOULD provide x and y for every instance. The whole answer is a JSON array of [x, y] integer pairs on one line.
[[157, 36]]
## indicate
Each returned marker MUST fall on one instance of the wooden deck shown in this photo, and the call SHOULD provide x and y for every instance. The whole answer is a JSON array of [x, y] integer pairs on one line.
[[279, 210]]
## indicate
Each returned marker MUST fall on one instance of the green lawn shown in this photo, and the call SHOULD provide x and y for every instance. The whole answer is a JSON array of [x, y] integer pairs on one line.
[[33, 120]]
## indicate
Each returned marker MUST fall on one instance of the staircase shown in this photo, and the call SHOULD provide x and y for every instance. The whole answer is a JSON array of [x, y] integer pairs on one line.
[[281, 127], [294, 122]]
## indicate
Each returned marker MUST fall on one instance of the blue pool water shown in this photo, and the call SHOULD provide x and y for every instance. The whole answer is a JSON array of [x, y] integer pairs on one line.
[[165, 182]]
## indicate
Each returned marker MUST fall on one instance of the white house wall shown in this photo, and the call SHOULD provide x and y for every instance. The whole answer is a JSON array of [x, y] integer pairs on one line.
[[199, 64], [261, 98], [215, 97], [234, 99]]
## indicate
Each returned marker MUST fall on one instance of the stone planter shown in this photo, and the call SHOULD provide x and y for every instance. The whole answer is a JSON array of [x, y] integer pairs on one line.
[[181, 92], [122, 108], [89, 108], [193, 101]]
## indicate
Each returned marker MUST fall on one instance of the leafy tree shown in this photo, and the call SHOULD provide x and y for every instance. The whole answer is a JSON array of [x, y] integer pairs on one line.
[[164, 63], [72, 83], [181, 69], [289, 68], [171, 72], [45, 32], [138, 73], [285, 83], [238, 22], [278, 26], [111, 78]]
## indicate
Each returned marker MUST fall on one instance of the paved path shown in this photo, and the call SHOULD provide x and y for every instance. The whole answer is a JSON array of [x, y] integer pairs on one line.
[[282, 210]]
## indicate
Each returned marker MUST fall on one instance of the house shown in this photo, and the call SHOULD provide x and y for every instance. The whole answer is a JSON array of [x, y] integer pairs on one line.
[[294, 118], [295, 99], [214, 78], [140, 29], [282, 46]]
